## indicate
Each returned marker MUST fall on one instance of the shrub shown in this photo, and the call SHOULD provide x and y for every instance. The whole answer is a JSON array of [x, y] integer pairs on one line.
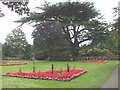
[[97, 52]]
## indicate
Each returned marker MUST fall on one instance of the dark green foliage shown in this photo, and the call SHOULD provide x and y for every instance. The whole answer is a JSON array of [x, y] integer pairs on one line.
[[61, 71], [18, 7], [28, 53], [34, 66], [115, 35], [49, 41], [95, 51], [52, 68], [16, 45], [20, 70], [79, 22], [77, 11], [74, 67], [7, 50], [68, 67], [98, 52]]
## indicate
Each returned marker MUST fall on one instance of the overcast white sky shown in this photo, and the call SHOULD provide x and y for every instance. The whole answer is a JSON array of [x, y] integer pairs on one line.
[[7, 24]]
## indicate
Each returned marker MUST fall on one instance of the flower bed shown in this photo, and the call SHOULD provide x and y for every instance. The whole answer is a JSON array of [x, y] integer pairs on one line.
[[57, 75], [12, 63], [96, 61]]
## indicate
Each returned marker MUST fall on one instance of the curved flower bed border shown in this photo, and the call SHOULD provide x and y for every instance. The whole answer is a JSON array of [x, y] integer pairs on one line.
[[65, 76], [10, 64], [96, 61]]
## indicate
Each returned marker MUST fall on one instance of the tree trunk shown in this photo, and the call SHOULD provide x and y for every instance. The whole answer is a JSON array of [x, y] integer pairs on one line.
[[74, 46], [75, 49]]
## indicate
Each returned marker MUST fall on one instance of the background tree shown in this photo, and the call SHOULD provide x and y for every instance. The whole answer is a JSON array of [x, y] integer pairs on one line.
[[16, 44], [115, 32], [28, 53], [20, 7], [78, 21], [49, 41]]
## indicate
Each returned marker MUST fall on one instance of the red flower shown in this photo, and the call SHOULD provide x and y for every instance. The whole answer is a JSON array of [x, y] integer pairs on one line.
[[97, 61], [66, 76], [10, 64]]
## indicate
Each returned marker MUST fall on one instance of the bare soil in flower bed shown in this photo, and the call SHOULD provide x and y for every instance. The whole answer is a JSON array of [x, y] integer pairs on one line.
[[94, 61], [56, 75], [13, 63]]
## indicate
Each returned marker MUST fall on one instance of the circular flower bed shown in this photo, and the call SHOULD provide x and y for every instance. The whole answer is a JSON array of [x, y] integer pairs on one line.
[[56, 75], [96, 61], [12, 63]]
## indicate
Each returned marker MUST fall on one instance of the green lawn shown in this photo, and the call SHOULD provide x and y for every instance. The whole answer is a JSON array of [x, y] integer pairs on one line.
[[94, 78]]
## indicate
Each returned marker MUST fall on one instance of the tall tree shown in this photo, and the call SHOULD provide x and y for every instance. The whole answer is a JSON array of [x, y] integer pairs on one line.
[[78, 21], [15, 44], [49, 41], [115, 33]]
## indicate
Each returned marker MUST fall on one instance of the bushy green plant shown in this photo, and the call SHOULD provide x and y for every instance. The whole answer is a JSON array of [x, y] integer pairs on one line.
[[68, 67], [33, 66], [97, 52], [20, 70], [60, 71], [52, 68]]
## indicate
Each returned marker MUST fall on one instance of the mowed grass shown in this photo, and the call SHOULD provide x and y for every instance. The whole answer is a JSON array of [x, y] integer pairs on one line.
[[94, 78]]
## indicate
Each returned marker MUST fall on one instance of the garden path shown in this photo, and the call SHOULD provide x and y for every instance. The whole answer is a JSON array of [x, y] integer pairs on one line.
[[112, 81]]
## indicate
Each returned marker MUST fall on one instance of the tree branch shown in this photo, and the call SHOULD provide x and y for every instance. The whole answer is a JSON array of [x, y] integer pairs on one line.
[[78, 29], [84, 29], [71, 33], [67, 34], [84, 40]]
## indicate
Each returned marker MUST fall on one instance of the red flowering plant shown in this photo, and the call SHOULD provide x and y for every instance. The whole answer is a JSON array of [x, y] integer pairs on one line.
[[13, 63], [48, 75], [96, 61]]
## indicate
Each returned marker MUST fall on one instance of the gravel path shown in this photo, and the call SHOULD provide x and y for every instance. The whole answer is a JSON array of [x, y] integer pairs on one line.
[[112, 81]]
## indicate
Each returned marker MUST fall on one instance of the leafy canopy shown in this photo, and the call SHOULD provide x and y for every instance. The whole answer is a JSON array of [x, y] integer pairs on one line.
[[79, 21], [66, 12], [20, 7], [15, 44]]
